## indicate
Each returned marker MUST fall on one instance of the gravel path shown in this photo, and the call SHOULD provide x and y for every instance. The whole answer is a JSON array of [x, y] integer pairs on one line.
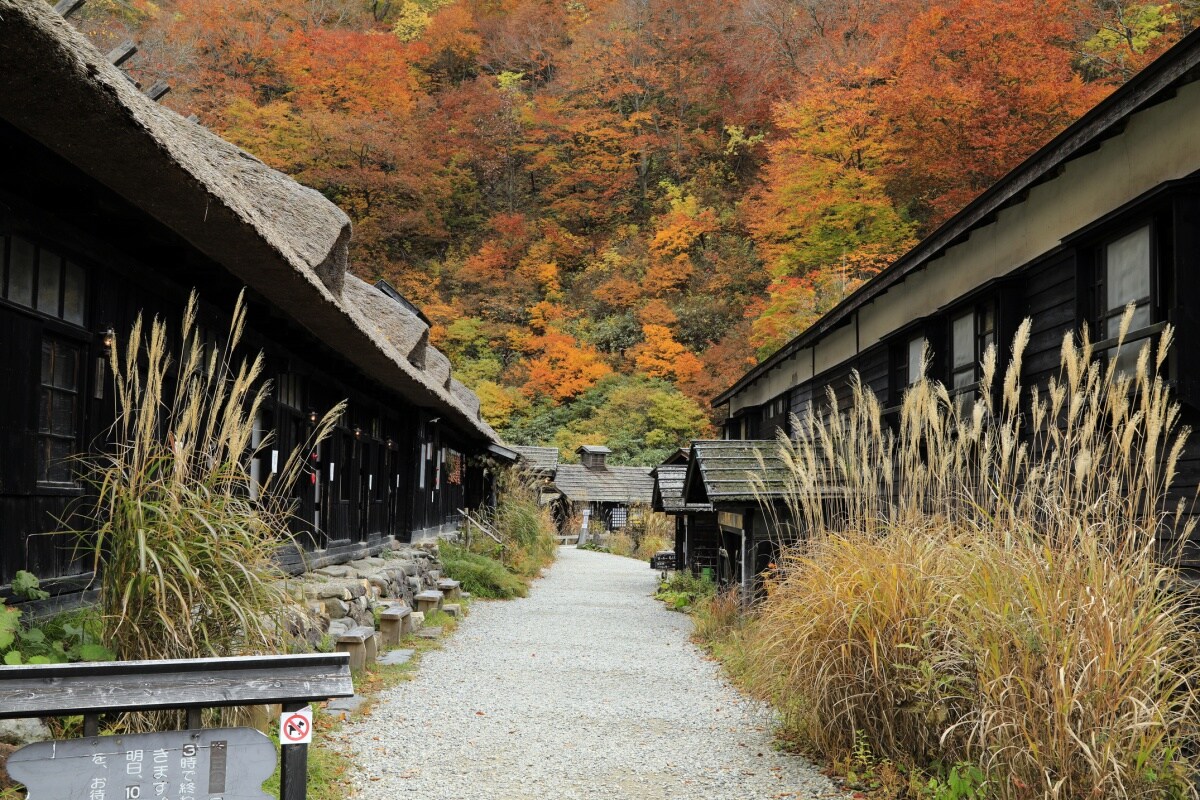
[[588, 688]]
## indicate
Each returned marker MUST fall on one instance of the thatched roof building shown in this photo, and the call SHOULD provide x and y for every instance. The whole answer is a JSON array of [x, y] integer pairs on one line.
[[285, 241]]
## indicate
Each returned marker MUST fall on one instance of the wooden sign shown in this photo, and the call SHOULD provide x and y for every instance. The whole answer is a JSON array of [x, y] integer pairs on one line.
[[204, 764]]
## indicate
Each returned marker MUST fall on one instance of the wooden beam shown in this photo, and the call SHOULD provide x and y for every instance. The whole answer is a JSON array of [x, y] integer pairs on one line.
[[158, 90], [122, 52], [50, 689], [66, 8]]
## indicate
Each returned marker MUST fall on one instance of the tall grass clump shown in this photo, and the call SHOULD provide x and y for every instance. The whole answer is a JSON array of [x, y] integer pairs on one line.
[[526, 527], [182, 542], [988, 582], [645, 533]]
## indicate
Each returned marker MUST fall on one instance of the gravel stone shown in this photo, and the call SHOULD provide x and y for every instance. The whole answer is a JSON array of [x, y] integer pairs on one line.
[[588, 688]]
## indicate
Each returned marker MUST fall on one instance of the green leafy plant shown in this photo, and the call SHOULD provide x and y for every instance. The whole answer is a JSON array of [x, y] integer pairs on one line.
[[962, 782]]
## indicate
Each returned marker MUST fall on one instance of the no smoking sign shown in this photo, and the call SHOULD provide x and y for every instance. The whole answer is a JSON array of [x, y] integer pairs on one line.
[[295, 727]]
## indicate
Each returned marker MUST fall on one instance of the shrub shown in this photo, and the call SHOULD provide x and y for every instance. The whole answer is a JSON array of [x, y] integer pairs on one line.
[[480, 575], [646, 532], [986, 587], [522, 532], [684, 590]]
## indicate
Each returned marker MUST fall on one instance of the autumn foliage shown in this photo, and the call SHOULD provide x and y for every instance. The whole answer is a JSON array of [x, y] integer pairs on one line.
[[649, 190]]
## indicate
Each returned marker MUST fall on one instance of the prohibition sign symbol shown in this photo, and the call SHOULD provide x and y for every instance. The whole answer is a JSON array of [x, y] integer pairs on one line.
[[297, 728]]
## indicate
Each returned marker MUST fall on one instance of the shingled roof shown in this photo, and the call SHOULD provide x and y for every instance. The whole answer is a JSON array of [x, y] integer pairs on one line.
[[580, 484], [539, 460], [668, 490], [285, 241], [733, 470]]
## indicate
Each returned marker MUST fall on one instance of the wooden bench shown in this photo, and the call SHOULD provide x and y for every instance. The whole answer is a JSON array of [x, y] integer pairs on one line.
[[428, 601], [93, 689], [359, 643], [395, 622]]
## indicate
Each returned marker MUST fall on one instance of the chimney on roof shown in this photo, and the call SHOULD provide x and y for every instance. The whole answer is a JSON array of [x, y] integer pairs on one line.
[[592, 456]]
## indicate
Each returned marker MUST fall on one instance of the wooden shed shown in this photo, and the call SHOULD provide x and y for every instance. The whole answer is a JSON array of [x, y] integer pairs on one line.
[[602, 495], [747, 485], [697, 538]]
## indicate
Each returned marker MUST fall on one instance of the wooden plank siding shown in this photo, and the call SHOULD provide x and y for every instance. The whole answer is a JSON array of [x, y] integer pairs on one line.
[[1053, 292], [134, 265]]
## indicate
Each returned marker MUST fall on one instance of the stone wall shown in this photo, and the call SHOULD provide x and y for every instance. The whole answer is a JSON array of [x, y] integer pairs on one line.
[[343, 596]]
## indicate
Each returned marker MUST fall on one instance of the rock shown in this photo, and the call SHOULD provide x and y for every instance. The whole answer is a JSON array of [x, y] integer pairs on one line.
[[418, 620], [453, 609], [339, 592], [432, 632], [336, 571], [343, 707], [336, 608], [23, 731]]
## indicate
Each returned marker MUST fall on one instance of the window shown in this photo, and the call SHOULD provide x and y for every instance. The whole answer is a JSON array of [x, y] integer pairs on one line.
[[972, 332], [43, 281], [906, 367], [1123, 277], [619, 516], [58, 412]]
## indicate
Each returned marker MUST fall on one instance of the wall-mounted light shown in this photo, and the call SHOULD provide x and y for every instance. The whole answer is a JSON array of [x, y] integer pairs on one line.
[[108, 337], [312, 416], [358, 433], [391, 443]]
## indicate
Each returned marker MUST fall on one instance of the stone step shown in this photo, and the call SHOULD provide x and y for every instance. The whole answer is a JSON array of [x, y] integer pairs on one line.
[[450, 588], [394, 658], [432, 632], [395, 621], [453, 609], [361, 644], [342, 707], [428, 601]]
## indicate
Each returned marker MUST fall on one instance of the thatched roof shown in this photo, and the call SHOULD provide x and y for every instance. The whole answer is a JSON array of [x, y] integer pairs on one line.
[[284, 241], [466, 398], [668, 490], [580, 484], [541, 461], [405, 331]]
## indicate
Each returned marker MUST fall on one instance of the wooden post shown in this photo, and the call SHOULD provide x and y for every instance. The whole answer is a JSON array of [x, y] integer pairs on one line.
[[122, 53], [293, 764]]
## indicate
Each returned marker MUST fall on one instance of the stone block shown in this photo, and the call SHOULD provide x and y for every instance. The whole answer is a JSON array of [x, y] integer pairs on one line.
[[335, 591], [451, 588], [394, 658], [428, 601], [453, 609], [342, 707], [432, 632], [417, 620], [392, 623], [360, 644], [335, 571]]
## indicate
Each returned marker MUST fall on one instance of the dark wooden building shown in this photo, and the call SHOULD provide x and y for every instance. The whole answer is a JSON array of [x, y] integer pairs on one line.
[[601, 494], [1105, 214], [697, 538], [111, 206], [746, 484]]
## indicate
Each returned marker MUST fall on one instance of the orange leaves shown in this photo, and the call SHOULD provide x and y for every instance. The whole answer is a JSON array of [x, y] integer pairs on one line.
[[560, 367], [660, 356], [979, 85], [348, 72]]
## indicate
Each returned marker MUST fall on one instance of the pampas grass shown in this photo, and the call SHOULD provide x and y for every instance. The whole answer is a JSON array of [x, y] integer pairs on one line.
[[984, 583]]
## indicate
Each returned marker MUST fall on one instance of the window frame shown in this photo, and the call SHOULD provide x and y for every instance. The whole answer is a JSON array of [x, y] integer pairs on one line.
[[78, 393], [1099, 314]]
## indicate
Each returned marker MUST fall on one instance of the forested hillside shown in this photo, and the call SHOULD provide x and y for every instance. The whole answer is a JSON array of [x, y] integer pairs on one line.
[[610, 208]]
